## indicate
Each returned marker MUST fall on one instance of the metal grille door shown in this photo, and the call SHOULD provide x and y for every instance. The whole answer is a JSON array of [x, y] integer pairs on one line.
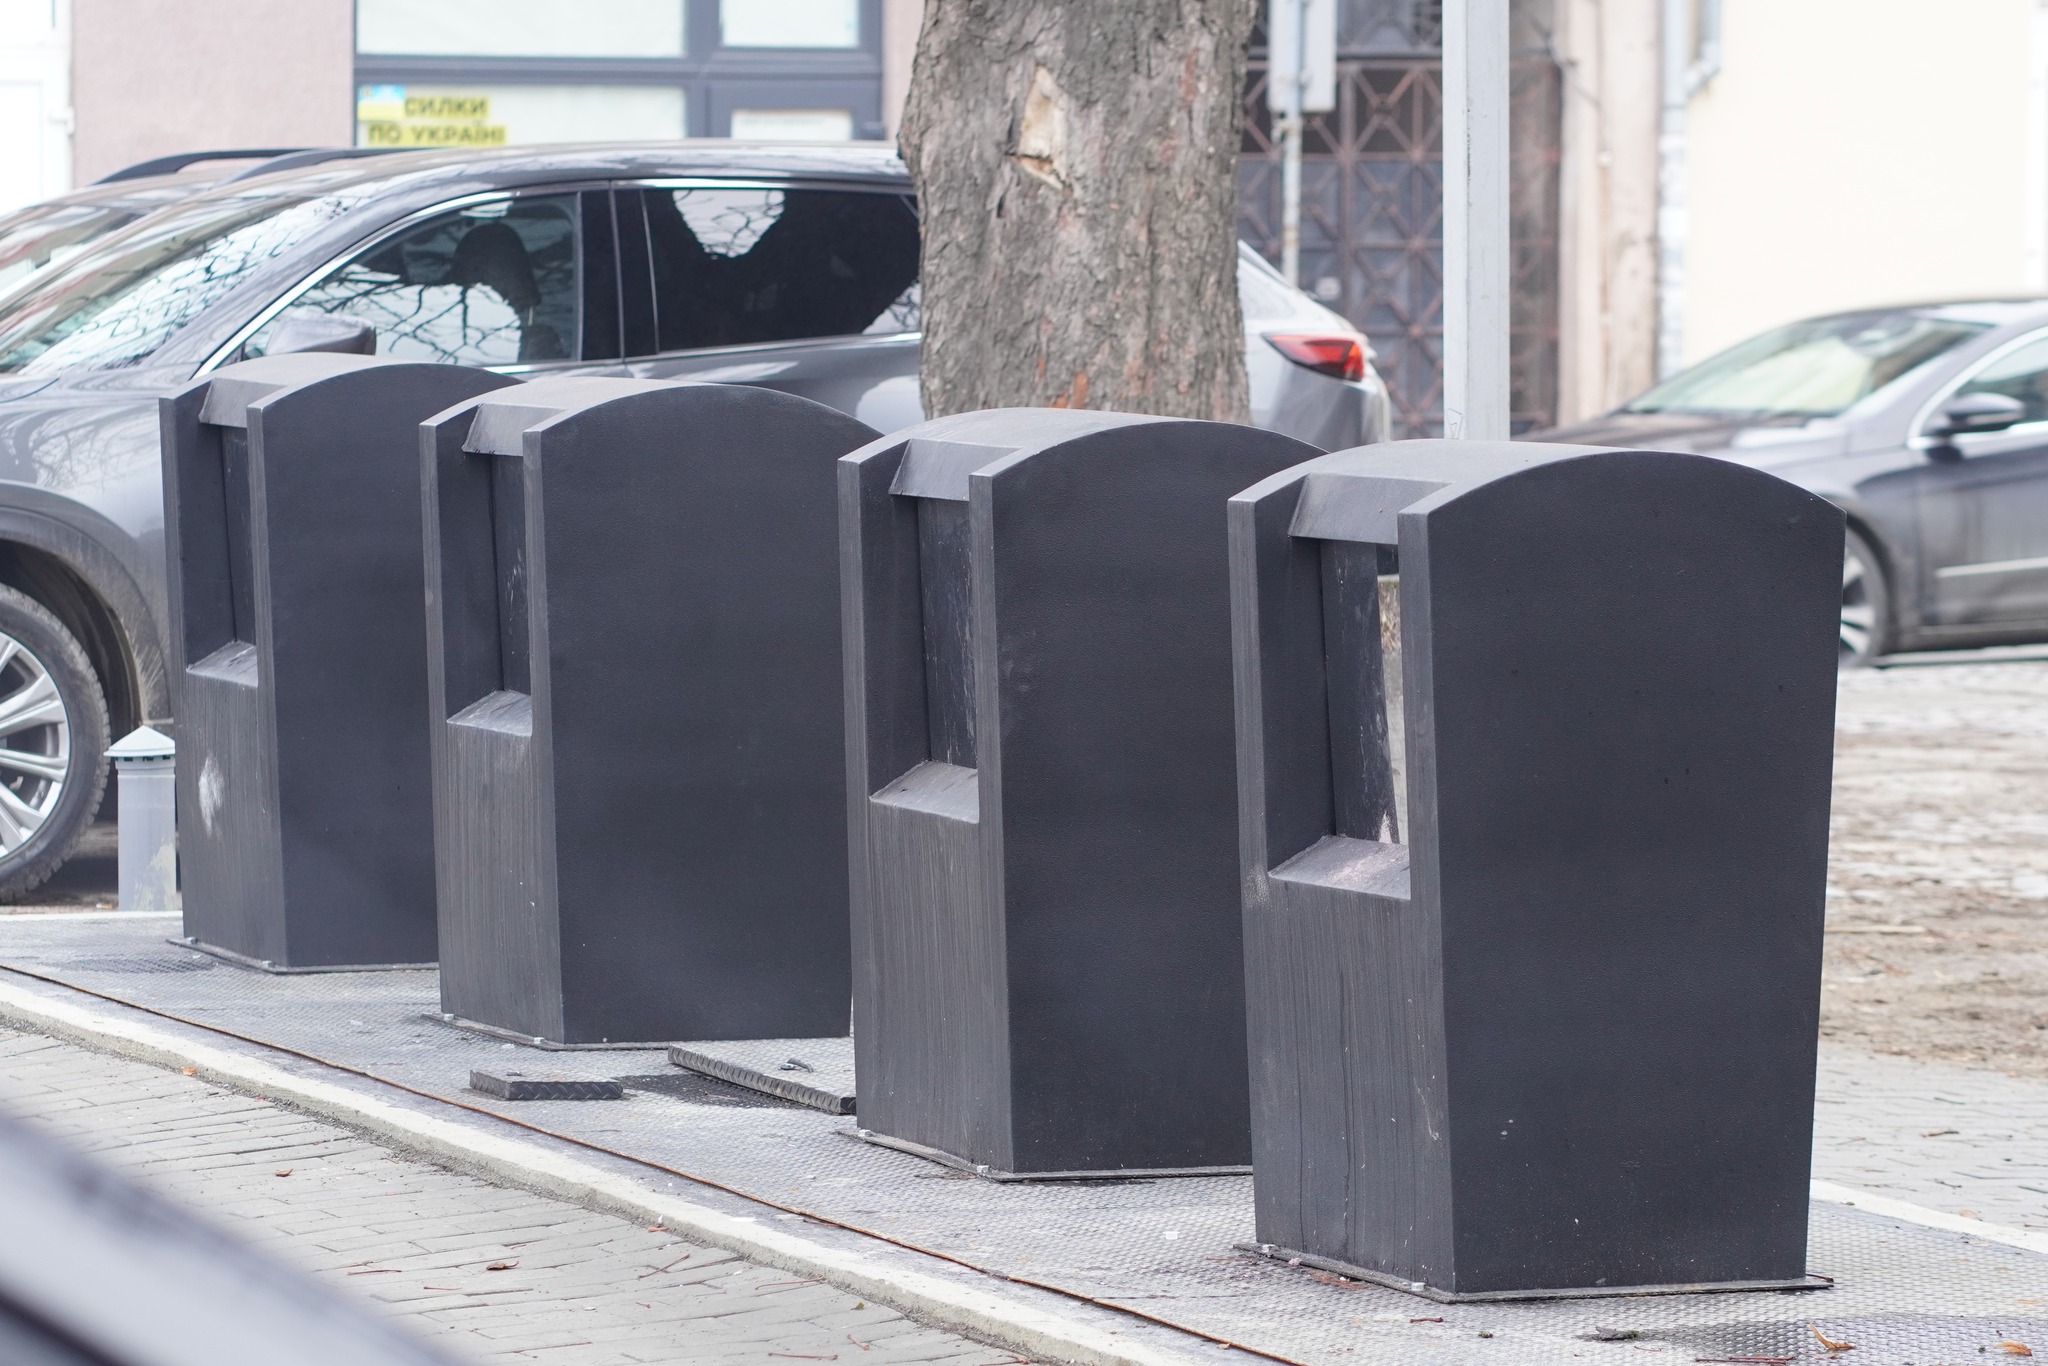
[[1372, 206]]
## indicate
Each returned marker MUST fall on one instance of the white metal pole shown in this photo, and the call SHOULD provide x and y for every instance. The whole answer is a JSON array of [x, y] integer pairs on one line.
[[1691, 59], [1286, 34], [1476, 268]]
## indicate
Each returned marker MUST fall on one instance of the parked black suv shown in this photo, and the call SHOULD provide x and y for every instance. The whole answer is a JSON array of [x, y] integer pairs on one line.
[[793, 268]]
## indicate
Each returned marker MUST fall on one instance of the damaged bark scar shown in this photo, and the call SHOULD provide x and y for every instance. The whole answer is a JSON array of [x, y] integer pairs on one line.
[[1042, 133], [1076, 395]]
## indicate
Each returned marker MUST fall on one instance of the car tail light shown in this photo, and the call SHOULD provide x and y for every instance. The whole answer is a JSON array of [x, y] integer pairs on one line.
[[1327, 353]]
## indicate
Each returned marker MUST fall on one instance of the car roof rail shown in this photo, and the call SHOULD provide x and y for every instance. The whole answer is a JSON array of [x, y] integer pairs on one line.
[[178, 161], [309, 156]]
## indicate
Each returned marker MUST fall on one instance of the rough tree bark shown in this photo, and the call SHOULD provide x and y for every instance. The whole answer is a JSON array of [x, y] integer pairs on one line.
[[1076, 166]]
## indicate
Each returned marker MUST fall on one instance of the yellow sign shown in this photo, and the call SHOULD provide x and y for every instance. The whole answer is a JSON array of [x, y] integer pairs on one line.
[[393, 116], [465, 108], [382, 134]]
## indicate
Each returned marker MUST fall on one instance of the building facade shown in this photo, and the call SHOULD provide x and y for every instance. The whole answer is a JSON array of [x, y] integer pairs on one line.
[[494, 71], [154, 77]]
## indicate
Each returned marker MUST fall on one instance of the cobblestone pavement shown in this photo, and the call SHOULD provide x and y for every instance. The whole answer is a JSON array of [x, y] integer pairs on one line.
[[420, 1241], [1963, 1140], [1938, 873]]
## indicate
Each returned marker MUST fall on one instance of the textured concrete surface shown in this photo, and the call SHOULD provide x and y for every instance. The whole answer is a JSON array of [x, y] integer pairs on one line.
[[420, 1241], [1962, 1140], [1938, 868]]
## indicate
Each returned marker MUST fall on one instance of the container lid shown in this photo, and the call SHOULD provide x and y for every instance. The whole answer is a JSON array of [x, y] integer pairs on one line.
[[144, 742]]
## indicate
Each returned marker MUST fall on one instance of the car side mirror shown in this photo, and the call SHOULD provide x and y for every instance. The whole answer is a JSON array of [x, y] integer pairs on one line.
[[1966, 413], [296, 333]]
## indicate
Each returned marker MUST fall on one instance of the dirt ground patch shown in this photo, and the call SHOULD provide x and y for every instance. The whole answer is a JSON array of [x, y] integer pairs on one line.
[[1940, 830]]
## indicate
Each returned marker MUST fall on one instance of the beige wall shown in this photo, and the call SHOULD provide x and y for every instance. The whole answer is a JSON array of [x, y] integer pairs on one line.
[[900, 22], [151, 77], [1857, 152], [1607, 265]]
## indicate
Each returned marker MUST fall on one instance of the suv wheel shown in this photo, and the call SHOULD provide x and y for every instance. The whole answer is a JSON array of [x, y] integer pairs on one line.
[[53, 744], [1866, 604]]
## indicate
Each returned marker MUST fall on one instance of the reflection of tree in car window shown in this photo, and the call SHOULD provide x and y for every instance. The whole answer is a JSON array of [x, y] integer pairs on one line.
[[739, 266], [494, 284], [115, 308]]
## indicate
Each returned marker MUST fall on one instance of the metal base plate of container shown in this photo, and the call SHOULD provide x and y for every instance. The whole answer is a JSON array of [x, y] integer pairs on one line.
[[988, 1173], [1809, 1281], [813, 1072], [243, 960], [533, 1040]]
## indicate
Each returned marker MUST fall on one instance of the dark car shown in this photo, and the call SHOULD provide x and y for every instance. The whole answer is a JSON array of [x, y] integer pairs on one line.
[[792, 268], [45, 234], [1927, 425]]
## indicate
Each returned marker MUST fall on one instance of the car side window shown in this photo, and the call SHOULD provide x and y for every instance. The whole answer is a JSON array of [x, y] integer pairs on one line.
[[2021, 373], [732, 266], [489, 284]]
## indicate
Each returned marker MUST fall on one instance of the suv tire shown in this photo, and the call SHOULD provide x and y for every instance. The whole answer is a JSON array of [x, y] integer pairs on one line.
[[46, 806]]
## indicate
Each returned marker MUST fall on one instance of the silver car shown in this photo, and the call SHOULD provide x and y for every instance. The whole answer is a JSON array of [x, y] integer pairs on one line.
[[791, 268]]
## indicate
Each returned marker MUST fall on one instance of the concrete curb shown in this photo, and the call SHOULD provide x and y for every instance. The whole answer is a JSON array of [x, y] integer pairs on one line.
[[995, 1318]]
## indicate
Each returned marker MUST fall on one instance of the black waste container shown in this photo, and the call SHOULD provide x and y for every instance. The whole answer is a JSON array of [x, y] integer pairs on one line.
[[639, 745], [1048, 964], [299, 678], [1562, 1038]]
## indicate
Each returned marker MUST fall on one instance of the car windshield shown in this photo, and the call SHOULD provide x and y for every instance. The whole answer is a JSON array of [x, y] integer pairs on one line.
[[114, 307], [35, 238], [1814, 368]]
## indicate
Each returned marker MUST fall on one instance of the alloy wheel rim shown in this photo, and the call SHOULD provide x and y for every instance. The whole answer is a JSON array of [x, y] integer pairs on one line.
[[1859, 614], [35, 745]]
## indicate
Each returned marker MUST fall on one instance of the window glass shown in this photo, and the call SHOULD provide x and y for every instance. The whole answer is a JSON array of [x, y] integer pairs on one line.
[[46, 234], [792, 125], [492, 284], [493, 115], [114, 308], [2021, 373], [789, 23], [1814, 368], [735, 266], [521, 28]]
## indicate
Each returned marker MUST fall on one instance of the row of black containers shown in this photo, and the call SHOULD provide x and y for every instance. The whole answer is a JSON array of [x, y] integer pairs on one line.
[[1056, 742]]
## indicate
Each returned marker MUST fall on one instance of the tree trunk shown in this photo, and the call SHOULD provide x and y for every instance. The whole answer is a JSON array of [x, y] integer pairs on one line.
[[1076, 167]]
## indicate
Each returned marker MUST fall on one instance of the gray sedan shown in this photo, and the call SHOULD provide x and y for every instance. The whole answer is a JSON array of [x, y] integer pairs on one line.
[[1927, 425], [791, 268]]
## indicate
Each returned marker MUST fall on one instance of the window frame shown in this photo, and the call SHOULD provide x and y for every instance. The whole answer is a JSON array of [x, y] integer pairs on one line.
[[901, 191], [1978, 443], [230, 351], [705, 67]]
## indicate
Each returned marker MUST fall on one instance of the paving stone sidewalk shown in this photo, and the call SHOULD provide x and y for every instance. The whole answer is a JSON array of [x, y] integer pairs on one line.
[[418, 1241], [1963, 1140]]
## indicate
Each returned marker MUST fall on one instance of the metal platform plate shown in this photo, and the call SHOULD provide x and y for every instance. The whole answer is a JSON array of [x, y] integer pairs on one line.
[[509, 1085], [1903, 1293], [988, 1173], [265, 965], [1592, 1292], [813, 1072]]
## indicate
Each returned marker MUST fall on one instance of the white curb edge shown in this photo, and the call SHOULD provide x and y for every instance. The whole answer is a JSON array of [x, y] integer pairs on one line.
[[2033, 1240], [999, 1319]]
